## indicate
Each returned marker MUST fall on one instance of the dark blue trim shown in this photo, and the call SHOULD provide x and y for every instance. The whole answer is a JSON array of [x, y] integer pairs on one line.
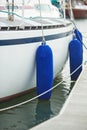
[[32, 40]]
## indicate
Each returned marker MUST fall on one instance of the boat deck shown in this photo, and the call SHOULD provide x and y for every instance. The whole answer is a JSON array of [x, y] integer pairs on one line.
[[32, 23], [73, 116]]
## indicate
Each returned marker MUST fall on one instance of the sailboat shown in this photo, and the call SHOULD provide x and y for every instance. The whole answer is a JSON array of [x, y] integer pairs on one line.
[[24, 26]]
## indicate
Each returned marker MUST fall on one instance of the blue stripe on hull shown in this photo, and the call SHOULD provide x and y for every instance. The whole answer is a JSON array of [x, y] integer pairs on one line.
[[33, 40]]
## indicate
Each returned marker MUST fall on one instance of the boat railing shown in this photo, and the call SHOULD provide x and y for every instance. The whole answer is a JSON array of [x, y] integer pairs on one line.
[[31, 23], [23, 10]]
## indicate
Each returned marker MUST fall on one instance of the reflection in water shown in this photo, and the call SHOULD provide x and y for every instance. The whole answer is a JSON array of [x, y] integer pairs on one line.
[[71, 86], [36, 111], [43, 111]]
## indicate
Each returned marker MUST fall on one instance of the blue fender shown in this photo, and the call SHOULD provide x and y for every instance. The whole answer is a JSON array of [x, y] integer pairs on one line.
[[76, 57], [78, 35], [44, 70]]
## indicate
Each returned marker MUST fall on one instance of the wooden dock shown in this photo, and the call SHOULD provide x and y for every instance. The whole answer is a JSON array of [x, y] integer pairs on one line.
[[73, 115]]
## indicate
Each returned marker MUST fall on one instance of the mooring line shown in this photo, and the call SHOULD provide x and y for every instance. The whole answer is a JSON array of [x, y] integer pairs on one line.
[[25, 102]]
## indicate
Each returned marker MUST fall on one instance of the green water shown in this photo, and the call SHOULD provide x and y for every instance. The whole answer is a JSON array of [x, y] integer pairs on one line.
[[26, 116], [36, 111]]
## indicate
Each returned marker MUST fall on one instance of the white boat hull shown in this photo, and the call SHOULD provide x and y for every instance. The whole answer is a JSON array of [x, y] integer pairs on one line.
[[17, 61]]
